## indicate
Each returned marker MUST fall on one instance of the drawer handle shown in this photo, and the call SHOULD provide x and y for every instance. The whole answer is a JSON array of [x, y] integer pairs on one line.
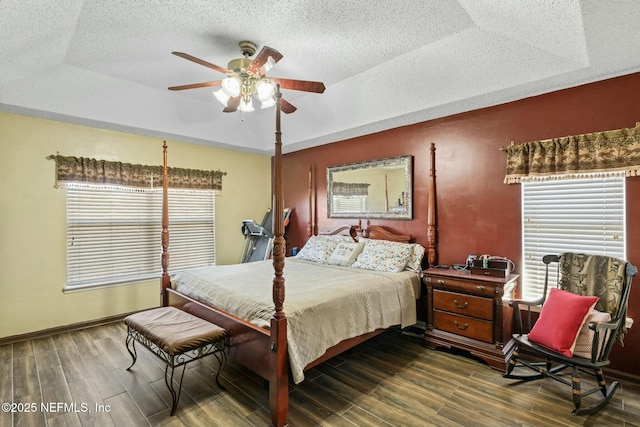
[[462, 307], [466, 325], [480, 287], [440, 282]]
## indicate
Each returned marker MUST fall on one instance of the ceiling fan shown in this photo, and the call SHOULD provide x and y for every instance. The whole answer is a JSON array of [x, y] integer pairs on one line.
[[246, 79]]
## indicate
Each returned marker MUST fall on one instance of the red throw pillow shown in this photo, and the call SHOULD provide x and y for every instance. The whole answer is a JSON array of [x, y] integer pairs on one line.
[[561, 318]]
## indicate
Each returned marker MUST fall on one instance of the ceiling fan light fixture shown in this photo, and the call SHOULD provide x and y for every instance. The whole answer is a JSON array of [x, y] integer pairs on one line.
[[268, 103], [245, 79], [264, 90], [221, 96], [232, 86], [246, 106]]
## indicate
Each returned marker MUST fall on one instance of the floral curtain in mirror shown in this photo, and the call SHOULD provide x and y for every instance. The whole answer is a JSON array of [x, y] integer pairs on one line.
[[350, 189]]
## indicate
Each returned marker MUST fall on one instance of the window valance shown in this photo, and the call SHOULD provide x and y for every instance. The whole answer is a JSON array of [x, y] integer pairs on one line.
[[83, 169], [609, 151], [350, 189]]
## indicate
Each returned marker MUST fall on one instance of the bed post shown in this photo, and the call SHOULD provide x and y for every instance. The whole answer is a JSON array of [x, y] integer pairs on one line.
[[432, 255], [166, 281], [310, 222], [279, 381]]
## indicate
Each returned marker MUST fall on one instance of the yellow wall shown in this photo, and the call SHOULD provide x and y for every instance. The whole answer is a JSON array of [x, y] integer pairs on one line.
[[33, 221]]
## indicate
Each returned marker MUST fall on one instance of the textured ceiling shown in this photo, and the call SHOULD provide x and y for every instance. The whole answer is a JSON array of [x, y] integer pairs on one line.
[[385, 63]]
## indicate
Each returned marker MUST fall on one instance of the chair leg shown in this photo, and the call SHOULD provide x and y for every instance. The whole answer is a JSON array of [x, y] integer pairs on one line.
[[575, 386], [534, 366], [606, 392], [601, 382], [512, 361]]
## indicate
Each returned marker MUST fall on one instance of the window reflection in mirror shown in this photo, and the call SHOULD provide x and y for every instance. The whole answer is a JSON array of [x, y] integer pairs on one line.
[[372, 189]]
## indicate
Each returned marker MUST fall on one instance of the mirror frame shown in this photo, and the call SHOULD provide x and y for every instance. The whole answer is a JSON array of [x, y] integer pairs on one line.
[[406, 162]]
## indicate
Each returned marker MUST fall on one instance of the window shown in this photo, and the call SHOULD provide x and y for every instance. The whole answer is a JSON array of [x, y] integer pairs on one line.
[[570, 215], [114, 233], [349, 204]]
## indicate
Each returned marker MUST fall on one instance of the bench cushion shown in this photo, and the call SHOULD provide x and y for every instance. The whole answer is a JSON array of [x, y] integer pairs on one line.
[[173, 330]]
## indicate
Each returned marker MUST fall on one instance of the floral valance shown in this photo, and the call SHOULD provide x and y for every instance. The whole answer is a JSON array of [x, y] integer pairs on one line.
[[609, 151], [92, 171], [350, 189]]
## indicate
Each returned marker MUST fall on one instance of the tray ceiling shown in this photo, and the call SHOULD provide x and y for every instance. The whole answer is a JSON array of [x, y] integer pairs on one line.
[[385, 63]]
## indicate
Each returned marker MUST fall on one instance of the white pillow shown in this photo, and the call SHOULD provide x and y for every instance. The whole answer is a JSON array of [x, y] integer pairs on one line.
[[319, 248], [584, 342], [345, 253], [382, 255]]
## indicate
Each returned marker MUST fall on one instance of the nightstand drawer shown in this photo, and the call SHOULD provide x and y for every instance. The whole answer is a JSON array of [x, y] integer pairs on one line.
[[465, 286], [462, 325], [467, 305]]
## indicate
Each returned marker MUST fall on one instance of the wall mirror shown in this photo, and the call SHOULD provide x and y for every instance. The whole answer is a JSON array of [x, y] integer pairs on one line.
[[373, 189]]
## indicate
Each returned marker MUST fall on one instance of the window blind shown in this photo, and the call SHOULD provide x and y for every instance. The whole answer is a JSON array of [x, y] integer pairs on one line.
[[349, 204], [114, 233], [584, 215]]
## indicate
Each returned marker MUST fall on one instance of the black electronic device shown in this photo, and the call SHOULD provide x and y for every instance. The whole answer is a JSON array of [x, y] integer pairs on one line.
[[487, 265], [470, 259]]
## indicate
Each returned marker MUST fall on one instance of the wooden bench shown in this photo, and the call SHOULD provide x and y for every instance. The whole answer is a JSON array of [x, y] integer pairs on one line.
[[177, 338]]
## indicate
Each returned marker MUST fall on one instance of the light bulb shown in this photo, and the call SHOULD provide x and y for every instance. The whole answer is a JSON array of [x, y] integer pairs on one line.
[[231, 86], [221, 96], [264, 89], [267, 103], [245, 106]]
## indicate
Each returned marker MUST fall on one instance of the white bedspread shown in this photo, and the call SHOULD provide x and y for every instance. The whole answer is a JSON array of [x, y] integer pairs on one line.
[[324, 304]]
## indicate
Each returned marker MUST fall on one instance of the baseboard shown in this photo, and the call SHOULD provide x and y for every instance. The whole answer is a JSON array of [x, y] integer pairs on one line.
[[61, 329], [622, 376]]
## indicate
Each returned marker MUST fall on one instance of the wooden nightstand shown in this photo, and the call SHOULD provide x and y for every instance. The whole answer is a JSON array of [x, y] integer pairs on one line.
[[468, 311]]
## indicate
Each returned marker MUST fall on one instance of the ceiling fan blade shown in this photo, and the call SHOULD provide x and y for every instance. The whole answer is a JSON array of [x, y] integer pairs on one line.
[[232, 104], [264, 61], [202, 62], [286, 107], [196, 85], [304, 85]]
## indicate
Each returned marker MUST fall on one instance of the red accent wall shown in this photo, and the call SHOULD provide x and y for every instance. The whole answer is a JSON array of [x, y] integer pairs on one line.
[[477, 212]]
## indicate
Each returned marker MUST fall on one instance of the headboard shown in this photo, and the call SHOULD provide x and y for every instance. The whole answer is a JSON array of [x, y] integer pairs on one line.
[[370, 232]]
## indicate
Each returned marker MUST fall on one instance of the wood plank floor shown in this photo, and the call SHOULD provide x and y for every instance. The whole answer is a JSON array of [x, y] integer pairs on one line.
[[391, 380]]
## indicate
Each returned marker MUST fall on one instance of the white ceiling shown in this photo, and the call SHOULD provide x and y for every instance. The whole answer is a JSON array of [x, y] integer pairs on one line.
[[385, 63]]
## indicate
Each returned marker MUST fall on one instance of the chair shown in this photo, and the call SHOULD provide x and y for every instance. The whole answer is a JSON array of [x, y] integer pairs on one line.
[[590, 288]]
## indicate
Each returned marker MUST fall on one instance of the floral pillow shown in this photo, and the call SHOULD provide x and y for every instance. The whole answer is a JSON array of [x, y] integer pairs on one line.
[[415, 260], [319, 248], [381, 255]]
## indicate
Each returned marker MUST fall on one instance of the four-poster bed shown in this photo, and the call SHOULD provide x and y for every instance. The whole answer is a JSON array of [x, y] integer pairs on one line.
[[263, 348]]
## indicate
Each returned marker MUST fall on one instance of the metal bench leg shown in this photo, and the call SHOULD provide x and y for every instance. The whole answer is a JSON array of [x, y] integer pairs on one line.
[[222, 361], [131, 348], [168, 379], [216, 347]]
